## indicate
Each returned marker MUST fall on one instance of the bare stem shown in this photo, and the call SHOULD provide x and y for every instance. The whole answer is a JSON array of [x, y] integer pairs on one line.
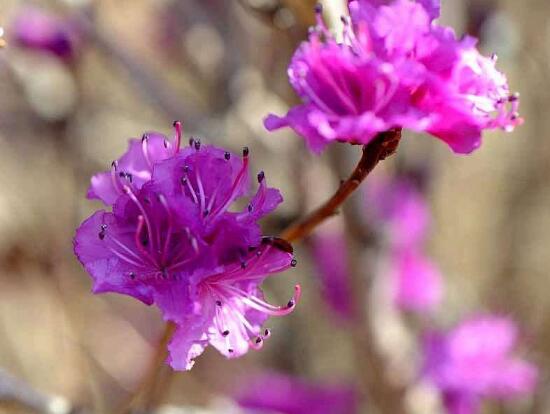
[[147, 394], [382, 146]]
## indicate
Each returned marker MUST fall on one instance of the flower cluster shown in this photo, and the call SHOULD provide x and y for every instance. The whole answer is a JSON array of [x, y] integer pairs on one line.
[[475, 361], [386, 74], [171, 240], [398, 205]]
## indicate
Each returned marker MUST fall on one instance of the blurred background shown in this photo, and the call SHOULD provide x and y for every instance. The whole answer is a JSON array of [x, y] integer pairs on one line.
[[122, 67]]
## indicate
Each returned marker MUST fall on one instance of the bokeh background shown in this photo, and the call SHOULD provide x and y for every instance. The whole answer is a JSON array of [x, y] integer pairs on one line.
[[220, 67]]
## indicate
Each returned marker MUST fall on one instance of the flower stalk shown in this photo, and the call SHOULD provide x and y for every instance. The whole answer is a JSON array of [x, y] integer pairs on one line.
[[381, 147]]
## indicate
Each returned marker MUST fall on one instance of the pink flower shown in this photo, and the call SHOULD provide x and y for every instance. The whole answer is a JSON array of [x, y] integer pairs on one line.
[[399, 208], [476, 360], [417, 283], [396, 68]]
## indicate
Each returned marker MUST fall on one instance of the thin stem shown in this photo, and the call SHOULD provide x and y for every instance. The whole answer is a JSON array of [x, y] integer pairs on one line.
[[382, 146], [147, 395]]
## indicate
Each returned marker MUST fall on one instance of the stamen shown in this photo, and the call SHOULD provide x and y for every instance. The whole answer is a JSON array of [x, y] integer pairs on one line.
[[231, 196], [145, 149], [177, 138], [164, 203], [133, 197], [264, 307], [114, 178]]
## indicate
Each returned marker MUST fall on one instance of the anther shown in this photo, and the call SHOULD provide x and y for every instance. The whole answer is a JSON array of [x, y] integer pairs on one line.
[[259, 340], [227, 156], [291, 303], [197, 144], [191, 141], [249, 208], [243, 265], [267, 333], [225, 333], [186, 168], [114, 165], [132, 275], [294, 262], [230, 350], [261, 176], [514, 97], [246, 151], [144, 137], [205, 212], [165, 143], [219, 303], [318, 8]]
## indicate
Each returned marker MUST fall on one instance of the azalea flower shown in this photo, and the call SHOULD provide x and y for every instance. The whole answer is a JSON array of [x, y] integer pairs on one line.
[[476, 360], [171, 240], [395, 68]]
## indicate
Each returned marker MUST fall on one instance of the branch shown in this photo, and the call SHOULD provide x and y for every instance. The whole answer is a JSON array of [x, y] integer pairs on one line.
[[381, 147]]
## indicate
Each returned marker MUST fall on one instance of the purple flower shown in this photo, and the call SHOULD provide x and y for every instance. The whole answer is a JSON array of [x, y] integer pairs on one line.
[[417, 283], [172, 241], [331, 260], [399, 206], [476, 360], [288, 395], [396, 68], [35, 28]]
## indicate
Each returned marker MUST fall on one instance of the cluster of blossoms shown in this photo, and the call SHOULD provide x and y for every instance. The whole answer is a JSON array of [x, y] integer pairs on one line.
[[171, 240], [277, 393], [389, 74], [476, 360], [399, 206]]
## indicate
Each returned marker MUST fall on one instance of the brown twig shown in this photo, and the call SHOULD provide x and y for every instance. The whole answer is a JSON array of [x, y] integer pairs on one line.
[[383, 145], [146, 394]]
